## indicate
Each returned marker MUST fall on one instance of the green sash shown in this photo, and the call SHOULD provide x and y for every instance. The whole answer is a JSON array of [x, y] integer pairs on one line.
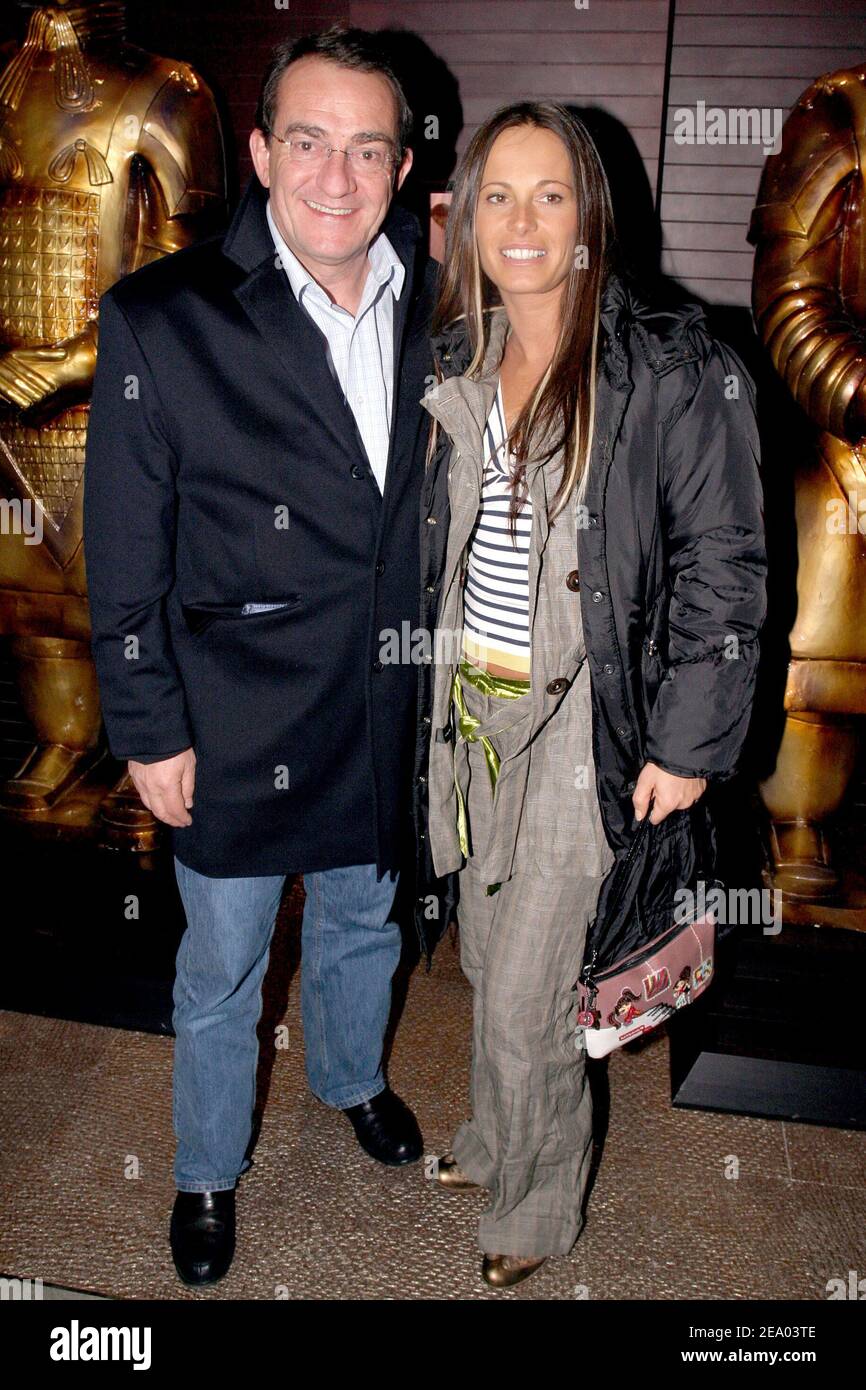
[[488, 684]]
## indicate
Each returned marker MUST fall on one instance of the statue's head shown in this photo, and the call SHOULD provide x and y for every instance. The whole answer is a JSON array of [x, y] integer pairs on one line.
[[75, 9], [30, 5]]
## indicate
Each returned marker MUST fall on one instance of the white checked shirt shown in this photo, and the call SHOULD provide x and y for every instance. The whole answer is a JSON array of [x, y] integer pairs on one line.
[[360, 349]]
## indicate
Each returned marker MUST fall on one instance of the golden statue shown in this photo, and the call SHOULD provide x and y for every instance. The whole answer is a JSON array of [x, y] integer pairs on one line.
[[109, 158], [809, 300]]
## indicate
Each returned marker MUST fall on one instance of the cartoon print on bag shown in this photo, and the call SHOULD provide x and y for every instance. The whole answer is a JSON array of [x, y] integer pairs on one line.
[[703, 971], [624, 1009], [656, 982], [683, 988]]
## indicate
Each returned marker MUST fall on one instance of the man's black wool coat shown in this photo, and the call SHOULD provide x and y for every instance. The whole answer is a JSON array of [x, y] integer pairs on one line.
[[223, 468]]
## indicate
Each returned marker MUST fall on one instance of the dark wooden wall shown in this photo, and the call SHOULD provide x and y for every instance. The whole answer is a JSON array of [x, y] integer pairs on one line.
[[229, 42], [612, 60], [741, 53], [610, 55]]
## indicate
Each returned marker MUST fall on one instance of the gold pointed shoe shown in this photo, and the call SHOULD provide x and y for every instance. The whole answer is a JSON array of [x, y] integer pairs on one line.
[[502, 1271], [451, 1176]]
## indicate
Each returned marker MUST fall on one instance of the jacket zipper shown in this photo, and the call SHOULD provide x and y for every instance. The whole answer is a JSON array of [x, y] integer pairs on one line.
[[640, 956], [628, 962]]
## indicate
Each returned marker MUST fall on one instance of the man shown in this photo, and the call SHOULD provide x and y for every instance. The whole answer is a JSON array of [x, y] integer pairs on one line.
[[253, 472]]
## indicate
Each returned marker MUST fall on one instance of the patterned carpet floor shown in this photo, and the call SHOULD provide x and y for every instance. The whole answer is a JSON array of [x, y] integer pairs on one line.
[[683, 1204]]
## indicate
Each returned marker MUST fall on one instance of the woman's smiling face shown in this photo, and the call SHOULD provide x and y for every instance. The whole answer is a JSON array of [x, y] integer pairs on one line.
[[526, 216]]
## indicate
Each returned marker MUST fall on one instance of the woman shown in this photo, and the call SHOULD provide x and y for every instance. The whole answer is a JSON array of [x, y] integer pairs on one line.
[[597, 587]]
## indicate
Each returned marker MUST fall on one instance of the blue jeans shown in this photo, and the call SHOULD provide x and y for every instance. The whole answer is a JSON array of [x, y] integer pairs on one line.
[[350, 947]]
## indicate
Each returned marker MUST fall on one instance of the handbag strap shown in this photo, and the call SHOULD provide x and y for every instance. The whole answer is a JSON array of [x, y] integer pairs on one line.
[[621, 879], [622, 872]]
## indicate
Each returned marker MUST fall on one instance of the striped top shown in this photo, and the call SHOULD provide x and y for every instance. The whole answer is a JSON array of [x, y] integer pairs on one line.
[[496, 593]]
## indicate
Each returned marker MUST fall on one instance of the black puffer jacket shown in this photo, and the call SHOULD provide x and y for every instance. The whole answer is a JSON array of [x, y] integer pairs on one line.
[[672, 567]]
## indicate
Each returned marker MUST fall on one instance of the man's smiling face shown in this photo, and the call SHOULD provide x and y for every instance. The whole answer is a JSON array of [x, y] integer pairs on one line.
[[328, 213]]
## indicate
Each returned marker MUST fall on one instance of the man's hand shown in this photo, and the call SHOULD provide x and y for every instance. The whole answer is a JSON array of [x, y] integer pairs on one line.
[[167, 787], [667, 792]]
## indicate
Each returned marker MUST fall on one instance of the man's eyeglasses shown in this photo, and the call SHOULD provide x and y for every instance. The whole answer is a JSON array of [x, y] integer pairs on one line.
[[375, 158]]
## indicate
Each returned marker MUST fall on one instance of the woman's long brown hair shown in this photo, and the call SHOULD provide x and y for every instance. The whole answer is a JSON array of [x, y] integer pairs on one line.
[[561, 409]]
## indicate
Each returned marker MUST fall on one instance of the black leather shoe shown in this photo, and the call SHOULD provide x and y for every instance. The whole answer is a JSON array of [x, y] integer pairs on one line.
[[386, 1129], [203, 1235]]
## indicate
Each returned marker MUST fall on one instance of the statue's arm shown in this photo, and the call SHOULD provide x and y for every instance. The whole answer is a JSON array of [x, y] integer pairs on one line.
[[798, 228], [179, 171]]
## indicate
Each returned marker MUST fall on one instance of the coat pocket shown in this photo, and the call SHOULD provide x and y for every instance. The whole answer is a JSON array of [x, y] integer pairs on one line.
[[199, 617], [652, 674], [653, 653]]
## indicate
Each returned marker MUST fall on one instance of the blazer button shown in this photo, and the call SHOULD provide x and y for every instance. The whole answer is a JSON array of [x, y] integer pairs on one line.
[[557, 686], [357, 470], [380, 568], [431, 588], [378, 665], [597, 596], [608, 669], [431, 520], [572, 581]]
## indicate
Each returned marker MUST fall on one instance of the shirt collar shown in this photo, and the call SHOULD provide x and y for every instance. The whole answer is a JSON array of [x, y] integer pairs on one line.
[[385, 265]]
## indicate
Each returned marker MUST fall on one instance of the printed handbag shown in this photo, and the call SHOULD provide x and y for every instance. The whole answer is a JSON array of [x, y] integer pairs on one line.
[[639, 990]]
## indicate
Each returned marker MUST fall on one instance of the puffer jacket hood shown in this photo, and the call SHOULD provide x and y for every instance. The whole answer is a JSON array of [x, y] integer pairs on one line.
[[661, 332]]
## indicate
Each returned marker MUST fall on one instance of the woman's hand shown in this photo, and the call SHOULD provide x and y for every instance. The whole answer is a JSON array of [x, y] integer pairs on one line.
[[666, 791]]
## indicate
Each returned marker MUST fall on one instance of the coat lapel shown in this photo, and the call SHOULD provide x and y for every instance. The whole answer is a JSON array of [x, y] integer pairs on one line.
[[299, 346], [461, 404], [295, 340], [410, 361]]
